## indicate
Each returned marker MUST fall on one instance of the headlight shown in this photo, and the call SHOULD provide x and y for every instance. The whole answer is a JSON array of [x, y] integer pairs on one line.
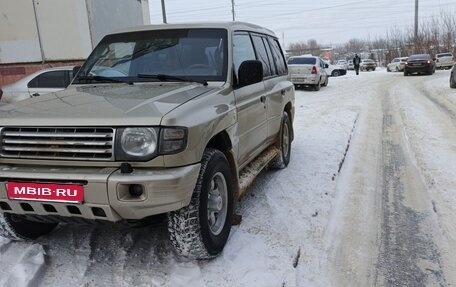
[[145, 143], [136, 143]]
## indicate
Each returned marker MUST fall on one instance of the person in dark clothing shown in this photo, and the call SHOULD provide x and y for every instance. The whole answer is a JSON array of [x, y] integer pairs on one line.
[[356, 62]]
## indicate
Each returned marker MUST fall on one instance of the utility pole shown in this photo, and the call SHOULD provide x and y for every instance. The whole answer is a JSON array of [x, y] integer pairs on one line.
[[416, 21], [43, 58], [232, 10], [163, 11]]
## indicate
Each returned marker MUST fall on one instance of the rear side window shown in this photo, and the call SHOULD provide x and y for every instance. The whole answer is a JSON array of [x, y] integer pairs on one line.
[[279, 59], [262, 55], [302, 61], [242, 50], [271, 59], [53, 79]]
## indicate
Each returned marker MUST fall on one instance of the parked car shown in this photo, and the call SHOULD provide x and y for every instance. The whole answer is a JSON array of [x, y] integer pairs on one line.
[[183, 134], [335, 70], [308, 71], [444, 61], [367, 65], [397, 64], [343, 64], [453, 77], [350, 65], [420, 64], [39, 83]]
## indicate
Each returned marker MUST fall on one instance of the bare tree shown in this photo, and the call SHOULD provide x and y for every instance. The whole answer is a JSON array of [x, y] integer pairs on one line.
[[435, 35]]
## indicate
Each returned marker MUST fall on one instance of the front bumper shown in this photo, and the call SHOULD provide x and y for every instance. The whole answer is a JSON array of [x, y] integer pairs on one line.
[[106, 191]]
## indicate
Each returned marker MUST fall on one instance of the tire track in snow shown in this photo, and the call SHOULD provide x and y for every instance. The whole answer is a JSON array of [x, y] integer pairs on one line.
[[119, 253], [431, 133], [107, 255], [444, 108], [408, 256], [21, 264]]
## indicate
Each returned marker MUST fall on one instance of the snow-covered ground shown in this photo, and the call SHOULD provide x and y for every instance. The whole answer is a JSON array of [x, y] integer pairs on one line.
[[370, 188]]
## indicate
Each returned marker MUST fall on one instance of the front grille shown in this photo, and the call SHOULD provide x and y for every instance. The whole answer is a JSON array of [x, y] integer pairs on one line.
[[57, 143]]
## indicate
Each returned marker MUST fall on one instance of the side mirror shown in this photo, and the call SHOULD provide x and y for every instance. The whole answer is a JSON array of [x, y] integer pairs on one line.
[[250, 72], [76, 70], [326, 66]]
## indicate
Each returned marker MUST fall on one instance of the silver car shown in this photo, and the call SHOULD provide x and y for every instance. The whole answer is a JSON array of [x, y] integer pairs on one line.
[[39, 83], [444, 61], [308, 71], [397, 64]]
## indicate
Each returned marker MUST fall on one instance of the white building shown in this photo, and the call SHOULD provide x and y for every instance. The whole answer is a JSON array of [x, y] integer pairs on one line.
[[43, 31]]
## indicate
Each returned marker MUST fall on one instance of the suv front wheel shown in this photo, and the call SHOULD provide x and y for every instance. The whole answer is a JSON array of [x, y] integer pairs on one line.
[[200, 230]]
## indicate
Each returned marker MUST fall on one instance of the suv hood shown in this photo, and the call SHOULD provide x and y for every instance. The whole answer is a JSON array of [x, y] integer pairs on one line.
[[102, 105]]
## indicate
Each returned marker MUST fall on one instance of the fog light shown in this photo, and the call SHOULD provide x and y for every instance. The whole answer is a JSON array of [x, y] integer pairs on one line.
[[136, 190]]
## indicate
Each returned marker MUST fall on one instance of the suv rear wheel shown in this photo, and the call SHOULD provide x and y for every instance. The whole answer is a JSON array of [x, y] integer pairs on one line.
[[286, 135], [15, 227], [200, 230]]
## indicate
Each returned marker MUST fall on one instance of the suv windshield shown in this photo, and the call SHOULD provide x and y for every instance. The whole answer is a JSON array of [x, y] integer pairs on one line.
[[191, 54]]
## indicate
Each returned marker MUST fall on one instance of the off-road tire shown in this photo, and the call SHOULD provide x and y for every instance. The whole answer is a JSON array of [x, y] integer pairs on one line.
[[188, 227], [14, 227], [335, 73], [283, 158]]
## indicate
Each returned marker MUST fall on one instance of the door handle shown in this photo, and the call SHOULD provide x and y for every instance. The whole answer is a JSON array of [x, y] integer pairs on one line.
[[35, 95], [263, 99]]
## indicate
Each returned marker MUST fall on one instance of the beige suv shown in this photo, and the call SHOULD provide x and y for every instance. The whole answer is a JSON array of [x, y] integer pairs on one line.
[[171, 119]]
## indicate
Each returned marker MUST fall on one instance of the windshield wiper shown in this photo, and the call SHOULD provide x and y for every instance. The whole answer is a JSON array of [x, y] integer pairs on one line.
[[103, 79], [163, 77]]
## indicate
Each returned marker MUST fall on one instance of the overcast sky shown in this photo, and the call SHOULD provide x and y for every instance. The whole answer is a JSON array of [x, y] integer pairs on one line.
[[327, 21]]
